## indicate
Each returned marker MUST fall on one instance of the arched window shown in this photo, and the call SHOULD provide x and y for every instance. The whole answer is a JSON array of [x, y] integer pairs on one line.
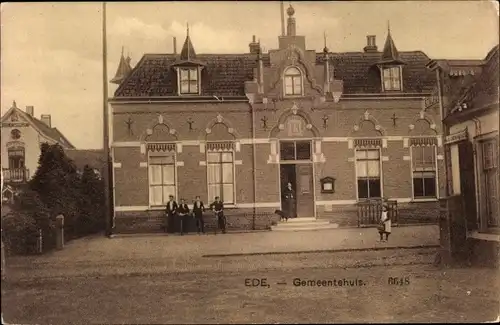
[[293, 82], [15, 134]]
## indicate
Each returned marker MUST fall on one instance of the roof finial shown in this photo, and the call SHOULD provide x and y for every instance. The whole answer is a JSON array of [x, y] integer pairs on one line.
[[187, 28], [325, 49], [14, 105], [290, 11], [388, 26], [122, 49]]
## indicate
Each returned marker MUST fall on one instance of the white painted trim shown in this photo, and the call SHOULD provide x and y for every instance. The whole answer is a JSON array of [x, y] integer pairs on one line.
[[254, 141], [394, 138], [117, 165], [384, 143], [406, 158], [403, 199], [406, 142], [113, 187], [336, 202], [125, 144], [425, 200], [334, 139], [202, 163], [350, 144], [179, 147], [238, 162], [131, 208], [440, 157], [179, 163], [143, 164], [385, 158], [202, 147], [351, 159], [483, 236]]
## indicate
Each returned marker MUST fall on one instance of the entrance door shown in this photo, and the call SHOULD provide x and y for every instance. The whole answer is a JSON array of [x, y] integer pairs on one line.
[[287, 175], [304, 190]]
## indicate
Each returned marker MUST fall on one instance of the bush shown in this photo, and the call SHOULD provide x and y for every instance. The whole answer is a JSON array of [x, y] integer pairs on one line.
[[19, 234]]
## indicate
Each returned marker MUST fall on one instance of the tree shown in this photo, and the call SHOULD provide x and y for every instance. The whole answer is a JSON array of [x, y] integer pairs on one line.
[[91, 203], [56, 182]]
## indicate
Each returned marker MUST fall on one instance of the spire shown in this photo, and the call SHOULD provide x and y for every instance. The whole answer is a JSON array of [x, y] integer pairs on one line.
[[390, 53], [123, 70], [325, 49], [187, 52], [290, 27], [14, 104]]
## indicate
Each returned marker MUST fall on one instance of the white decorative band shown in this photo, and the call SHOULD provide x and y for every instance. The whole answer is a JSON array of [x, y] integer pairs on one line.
[[143, 164], [335, 202], [406, 158], [179, 163], [139, 208], [203, 163], [125, 144], [117, 165], [238, 162], [483, 236]]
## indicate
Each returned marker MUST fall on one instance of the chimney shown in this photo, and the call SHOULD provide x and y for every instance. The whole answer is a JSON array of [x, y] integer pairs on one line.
[[371, 45], [254, 46], [46, 119], [175, 44], [30, 110]]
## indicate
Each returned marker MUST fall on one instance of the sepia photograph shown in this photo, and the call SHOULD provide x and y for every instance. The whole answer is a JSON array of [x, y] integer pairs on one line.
[[250, 162]]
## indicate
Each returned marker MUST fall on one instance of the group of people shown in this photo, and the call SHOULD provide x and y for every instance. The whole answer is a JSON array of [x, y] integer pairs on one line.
[[179, 215]]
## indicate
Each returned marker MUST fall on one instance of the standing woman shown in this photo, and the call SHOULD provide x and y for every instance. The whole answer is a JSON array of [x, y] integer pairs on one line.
[[289, 196]]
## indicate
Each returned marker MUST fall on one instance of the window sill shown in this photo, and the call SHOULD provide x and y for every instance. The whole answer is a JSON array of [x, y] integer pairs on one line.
[[424, 200], [488, 235]]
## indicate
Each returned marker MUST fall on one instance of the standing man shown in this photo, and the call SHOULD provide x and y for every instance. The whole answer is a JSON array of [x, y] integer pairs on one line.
[[218, 207], [170, 212], [198, 209], [289, 198], [183, 215]]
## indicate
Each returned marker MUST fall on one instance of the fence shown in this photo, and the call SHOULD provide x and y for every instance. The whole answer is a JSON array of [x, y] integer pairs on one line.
[[369, 212]]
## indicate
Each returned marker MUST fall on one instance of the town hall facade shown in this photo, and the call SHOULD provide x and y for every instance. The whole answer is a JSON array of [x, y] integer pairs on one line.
[[340, 127]]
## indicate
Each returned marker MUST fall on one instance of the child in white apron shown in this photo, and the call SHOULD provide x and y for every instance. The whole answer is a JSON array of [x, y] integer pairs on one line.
[[385, 224]]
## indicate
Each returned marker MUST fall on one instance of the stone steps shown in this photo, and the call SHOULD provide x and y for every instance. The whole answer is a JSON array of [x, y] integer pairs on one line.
[[301, 224]]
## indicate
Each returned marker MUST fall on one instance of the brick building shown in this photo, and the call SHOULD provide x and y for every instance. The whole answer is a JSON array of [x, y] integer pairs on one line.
[[469, 102], [341, 127]]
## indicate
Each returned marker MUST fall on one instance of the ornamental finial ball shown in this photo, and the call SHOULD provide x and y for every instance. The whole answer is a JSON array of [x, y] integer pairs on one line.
[[290, 11]]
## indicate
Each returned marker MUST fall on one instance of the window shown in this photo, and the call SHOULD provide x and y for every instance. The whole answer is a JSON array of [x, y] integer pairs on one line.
[[293, 82], [424, 171], [295, 150], [16, 158], [15, 134], [392, 78], [368, 173], [489, 177], [188, 80], [220, 168], [161, 179]]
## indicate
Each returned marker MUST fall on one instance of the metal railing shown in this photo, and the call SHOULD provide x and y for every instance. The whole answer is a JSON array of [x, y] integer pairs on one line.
[[369, 211], [15, 175]]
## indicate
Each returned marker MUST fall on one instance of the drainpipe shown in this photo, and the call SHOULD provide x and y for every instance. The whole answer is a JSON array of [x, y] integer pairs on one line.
[[254, 164]]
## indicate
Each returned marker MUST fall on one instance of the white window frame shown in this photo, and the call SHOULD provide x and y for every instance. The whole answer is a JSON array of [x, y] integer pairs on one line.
[[392, 77], [176, 184], [233, 163], [380, 172], [300, 76], [480, 181], [436, 185], [191, 69]]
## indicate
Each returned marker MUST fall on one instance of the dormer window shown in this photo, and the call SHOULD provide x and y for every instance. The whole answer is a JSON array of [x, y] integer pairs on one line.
[[391, 78], [293, 82], [188, 81]]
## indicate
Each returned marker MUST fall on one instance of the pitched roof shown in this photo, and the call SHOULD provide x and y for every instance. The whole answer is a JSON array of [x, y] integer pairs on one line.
[[188, 52], [52, 133], [225, 74], [94, 158], [483, 89]]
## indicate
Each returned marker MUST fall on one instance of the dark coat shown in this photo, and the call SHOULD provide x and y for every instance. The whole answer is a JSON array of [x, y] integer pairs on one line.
[[171, 208]]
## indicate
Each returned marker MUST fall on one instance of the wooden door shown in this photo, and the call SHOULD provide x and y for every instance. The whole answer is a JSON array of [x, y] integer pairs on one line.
[[468, 183], [305, 190]]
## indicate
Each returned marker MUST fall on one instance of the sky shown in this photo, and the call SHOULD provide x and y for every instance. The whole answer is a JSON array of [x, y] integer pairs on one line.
[[51, 53]]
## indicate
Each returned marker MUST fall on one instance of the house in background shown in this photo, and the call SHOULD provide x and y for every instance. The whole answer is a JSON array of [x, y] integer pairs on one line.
[[342, 128], [470, 107], [22, 134], [94, 158]]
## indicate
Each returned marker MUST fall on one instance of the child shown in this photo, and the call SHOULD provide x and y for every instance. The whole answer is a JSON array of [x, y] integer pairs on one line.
[[385, 224]]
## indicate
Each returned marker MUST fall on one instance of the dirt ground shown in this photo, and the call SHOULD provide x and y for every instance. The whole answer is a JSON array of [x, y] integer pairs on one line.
[[219, 294]]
